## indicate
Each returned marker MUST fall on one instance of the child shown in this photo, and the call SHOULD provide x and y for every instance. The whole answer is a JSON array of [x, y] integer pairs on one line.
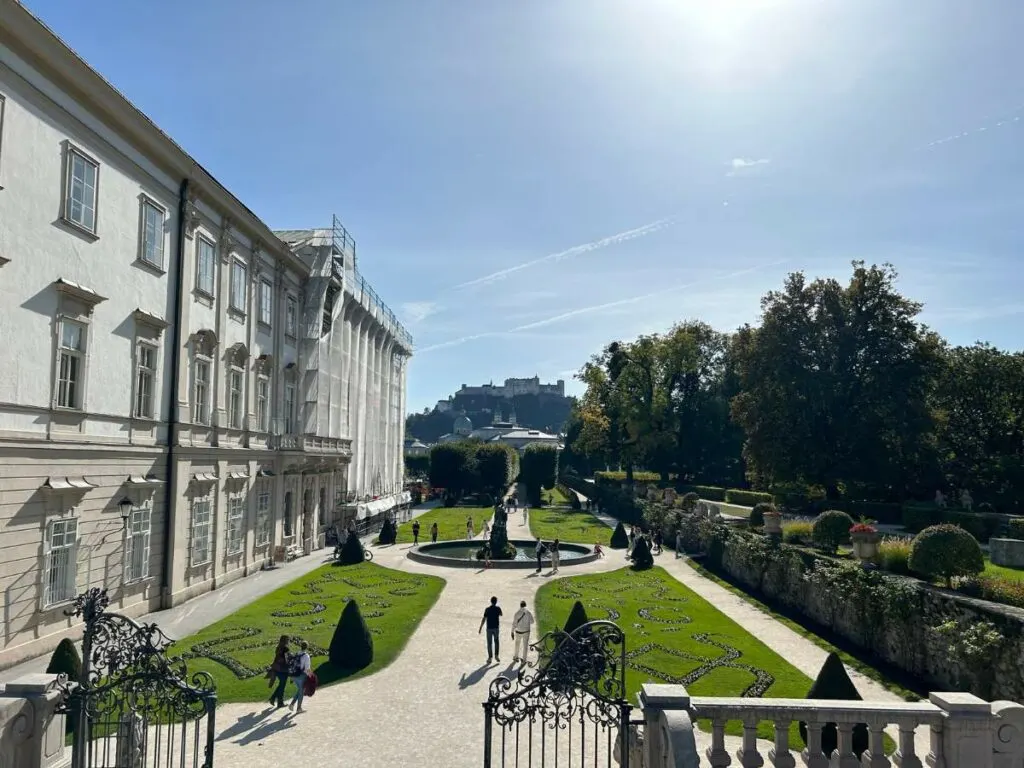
[[598, 549]]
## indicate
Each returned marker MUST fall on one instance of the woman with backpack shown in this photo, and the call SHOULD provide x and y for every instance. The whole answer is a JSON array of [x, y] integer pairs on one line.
[[299, 669], [279, 671]]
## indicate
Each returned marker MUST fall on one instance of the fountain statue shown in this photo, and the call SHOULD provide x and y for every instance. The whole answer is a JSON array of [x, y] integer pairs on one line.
[[498, 543]]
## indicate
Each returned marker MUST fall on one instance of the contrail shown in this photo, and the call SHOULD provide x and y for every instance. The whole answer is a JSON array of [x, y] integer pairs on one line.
[[576, 250], [597, 308]]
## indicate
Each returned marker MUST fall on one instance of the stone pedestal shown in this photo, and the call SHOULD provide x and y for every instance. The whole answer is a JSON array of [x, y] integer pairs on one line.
[[31, 732], [1008, 552]]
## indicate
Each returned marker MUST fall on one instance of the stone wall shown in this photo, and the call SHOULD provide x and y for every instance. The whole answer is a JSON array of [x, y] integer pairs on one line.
[[900, 632]]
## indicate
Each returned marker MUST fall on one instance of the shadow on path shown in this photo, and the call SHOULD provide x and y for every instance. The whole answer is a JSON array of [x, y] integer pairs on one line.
[[245, 723], [268, 729], [473, 677]]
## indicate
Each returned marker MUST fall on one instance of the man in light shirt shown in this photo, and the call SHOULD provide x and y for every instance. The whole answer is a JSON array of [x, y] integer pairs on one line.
[[521, 632]]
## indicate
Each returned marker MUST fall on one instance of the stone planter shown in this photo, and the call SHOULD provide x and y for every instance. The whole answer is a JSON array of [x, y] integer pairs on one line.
[[865, 545], [772, 524]]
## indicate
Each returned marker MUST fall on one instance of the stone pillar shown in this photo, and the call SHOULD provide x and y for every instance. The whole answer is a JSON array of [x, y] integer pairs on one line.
[[667, 726], [967, 732], [31, 731]]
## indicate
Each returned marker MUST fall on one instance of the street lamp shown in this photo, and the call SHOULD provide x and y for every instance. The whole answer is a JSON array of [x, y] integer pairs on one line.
[[124, 506]]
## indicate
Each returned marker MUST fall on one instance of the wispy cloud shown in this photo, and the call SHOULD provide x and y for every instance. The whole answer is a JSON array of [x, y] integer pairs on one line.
[[418, 311], [576, 250], [740, 165], [596, 308]]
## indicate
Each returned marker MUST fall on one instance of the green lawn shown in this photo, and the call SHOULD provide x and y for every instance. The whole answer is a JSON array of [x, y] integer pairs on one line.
[[451, 523], [555, 497], [568, 525], [675, 636], [1002, 572], [238, 649]]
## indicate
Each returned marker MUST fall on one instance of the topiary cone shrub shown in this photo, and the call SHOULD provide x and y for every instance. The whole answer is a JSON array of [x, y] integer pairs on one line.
[[945, 551], [577, 618], [620, 540], [642, 557], [831, 528], [388, 533], [352, 551], [352, 645], [833, 683], [65, 660], [757, 514]]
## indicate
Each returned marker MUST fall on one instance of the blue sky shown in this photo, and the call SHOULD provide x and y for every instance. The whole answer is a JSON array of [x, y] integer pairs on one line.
[[527, 180]]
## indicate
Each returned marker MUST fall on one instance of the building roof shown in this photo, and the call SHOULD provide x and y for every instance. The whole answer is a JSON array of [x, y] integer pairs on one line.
[[526, 434], [300, 238]]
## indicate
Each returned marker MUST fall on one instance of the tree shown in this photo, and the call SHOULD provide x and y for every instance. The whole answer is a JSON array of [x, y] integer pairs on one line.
[[497, 466], [538, 469], [352, 551], [620, 539], [945, 551], [352, 644], [835, 384], [417, 465], [833, 683], [453, 467]]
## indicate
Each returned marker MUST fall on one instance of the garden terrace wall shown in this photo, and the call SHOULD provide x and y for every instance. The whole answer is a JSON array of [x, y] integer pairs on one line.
[[899, 633]]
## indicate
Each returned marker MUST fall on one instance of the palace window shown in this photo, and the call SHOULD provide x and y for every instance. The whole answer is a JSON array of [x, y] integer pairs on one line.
[[71, 364], [263, 518], [80, 189], [61, 561], [202, 531], [145, 380], [151, 238], [140, 524], [206, 260], [236, 513]]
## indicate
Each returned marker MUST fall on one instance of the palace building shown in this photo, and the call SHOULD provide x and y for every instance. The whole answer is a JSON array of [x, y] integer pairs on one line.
[[186, 395]]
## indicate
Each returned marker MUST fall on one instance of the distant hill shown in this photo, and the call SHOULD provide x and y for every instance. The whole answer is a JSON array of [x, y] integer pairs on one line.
[[547, 412]]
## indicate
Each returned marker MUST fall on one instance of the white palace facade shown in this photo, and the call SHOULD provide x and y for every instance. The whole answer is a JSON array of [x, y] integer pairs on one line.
[[185, 394]]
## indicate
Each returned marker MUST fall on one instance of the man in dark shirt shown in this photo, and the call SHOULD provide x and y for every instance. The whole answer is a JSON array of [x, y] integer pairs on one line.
[[415, 531], [492, 615]]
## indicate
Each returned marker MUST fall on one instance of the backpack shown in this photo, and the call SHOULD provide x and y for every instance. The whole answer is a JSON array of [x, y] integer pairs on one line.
[[311, 684], [294, 667]]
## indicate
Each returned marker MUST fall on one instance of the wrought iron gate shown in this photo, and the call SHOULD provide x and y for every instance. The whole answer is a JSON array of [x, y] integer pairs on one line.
[[132, 706], [567, 709]]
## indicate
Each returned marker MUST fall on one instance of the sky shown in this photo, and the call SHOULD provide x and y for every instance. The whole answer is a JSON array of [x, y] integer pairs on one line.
[[529, 180]]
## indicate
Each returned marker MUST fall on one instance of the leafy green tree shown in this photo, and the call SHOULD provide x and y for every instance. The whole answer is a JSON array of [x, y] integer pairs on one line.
[[497, 465], [538, 469], [453, 467], [835, 384], [417, 465]]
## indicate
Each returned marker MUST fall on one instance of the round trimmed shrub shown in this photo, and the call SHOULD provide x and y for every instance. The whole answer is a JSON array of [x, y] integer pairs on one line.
[[352, 644], [758, 512], [352, 551], [620, 540], [831, 528], [945, 551], [690, 501]]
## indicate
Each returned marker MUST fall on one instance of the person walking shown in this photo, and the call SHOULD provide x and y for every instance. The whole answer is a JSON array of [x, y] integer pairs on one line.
[[521, 624], [433, 533], [539, 551], [415, 532], [526, 511], [554, 556], [486, 530], [279, 672], [658, 540], [679, 543], [492, 618], [299, 668], [469, 527]]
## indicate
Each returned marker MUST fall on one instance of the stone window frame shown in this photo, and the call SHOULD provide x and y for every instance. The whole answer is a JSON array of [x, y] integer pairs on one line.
[[71, 566], [71, 151], [265, 315], [291, 316], [141, 512], [204, 498], [289, 414], [234, 523], [147, 202], [238, 286], [200, 288], [75, 304], [235, 362], [264, 512], [263, 402], [145, 345], [204, 345]]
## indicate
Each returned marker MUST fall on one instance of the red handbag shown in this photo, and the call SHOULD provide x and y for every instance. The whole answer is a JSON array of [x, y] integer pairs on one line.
[[311, 683]]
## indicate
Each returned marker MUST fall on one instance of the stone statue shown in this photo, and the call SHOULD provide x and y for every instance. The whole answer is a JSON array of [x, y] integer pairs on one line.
[[499, 546], [965, 499], [940, 499]]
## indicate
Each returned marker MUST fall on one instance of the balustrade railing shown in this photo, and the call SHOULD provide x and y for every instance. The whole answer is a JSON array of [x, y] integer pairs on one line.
[[960, 730]]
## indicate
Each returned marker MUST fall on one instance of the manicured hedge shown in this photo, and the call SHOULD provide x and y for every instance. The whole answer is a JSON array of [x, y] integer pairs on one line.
[[982, 526], [1015, 528], [889, 513], [708, 492], [620, 477], [746, 498]]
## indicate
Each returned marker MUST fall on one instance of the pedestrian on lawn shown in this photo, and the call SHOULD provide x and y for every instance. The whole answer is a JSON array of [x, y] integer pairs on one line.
[[433, 533], [299, 668], [415, 532], [278, 672], [554, 556], [521, 624], [492, 618]]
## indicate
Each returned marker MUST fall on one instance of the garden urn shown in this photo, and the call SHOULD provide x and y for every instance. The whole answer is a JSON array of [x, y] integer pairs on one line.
[[865, 539], [772, 524]]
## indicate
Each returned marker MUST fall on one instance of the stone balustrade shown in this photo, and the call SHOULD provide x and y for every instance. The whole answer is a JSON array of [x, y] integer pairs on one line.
[[31, 731], [964, 731]]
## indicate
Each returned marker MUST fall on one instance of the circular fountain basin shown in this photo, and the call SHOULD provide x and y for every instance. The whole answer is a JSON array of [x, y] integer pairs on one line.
[[462, 554]]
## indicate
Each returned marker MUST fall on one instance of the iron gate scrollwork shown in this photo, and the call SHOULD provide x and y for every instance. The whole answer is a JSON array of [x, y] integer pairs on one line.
[[132, 705], [567, 709]]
